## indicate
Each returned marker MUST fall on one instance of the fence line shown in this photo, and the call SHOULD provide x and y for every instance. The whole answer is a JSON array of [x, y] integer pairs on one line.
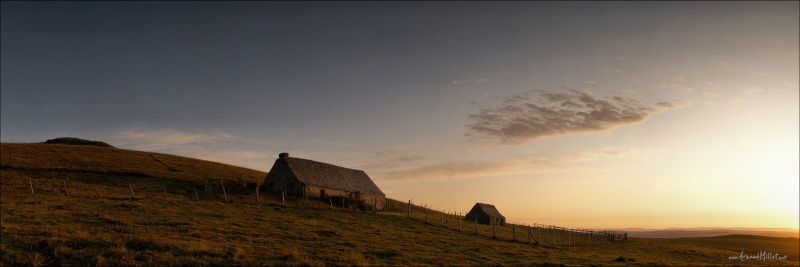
[[537, 234]]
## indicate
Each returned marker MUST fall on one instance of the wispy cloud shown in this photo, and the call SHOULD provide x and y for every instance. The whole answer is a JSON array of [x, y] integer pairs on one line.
[[317, 141], [524, 117], [164, 139], [464, 81], [753, 90], [590, 83], [675, 104], [736, 100], [579, 161]]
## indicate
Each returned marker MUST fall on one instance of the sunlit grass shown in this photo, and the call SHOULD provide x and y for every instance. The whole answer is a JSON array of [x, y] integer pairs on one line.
[[52, 228]]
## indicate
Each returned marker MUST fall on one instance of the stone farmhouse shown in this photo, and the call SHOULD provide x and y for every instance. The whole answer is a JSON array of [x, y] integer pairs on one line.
[[308, 178], [486, 214]]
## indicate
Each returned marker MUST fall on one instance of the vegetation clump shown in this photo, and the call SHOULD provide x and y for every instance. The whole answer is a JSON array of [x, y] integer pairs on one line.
[[76, 142]]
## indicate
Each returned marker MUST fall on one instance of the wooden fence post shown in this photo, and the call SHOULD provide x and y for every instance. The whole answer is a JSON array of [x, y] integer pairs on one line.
[[31, 183], [258, 198], [514, 231], [66, 190], [494, 230], [442, 215], [476, 225], [409, 209], [529, 234], [196, 198], [331, 201], [165, 192], [132, 195], [459, 224], [96, 191], [223, 190], [283, 197], [539, 231]]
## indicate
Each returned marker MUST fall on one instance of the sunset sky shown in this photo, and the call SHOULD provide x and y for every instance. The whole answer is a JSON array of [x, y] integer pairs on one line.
[[577, 114]]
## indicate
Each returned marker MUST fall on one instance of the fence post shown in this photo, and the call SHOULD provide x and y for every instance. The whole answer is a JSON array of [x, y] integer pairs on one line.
[[539, 230], [66, 190], [409, 209], [494, 229], [132, 195], [283, 197], [31, 183], [196, 198], [258, 198], [476, 225], [459, 224], [95, 190], [165, 192], [514, 231], [221, 184], [529, 234], [442, 215]]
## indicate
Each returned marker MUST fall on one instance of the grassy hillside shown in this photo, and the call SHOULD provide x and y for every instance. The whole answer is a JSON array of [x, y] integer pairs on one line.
[[96, 222], [59, 158]]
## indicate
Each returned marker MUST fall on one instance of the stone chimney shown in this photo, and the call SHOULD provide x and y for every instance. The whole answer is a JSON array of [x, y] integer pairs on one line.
[[283, 156]]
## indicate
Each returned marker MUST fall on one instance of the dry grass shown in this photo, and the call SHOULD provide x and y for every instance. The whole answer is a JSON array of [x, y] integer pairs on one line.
[[52, 228]]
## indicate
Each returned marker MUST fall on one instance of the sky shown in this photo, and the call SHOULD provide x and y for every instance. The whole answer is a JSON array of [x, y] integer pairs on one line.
[[577, 114]]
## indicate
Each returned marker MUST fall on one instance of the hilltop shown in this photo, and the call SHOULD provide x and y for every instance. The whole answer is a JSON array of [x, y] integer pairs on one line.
[[76, 141], [82, 212], [56, 158]]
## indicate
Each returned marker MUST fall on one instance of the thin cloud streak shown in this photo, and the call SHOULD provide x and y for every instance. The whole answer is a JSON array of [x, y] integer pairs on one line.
[[165, 139], [578, 161]]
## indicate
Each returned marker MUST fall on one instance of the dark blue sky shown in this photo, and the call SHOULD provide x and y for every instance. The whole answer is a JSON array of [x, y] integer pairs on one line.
[[422, 94]]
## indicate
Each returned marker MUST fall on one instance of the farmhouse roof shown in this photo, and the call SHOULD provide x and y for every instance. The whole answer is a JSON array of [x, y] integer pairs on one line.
[[488, 209], [315, 173]]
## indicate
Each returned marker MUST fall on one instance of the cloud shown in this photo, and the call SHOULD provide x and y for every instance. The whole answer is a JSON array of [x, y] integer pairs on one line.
[[678, 78], [590, 83], [753, 90], [736, 100], [164, 139], [524, 117], [464, 81], [317, 141], [579, 161]]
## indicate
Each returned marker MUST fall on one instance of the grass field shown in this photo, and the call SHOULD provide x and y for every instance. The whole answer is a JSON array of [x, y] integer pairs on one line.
[[98, 223]]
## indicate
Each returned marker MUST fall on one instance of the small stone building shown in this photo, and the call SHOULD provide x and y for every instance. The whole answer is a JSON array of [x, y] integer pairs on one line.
[[486, 214], [303, 177]]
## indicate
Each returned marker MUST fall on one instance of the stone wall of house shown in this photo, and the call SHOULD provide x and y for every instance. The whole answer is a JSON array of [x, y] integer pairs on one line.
[[281, 178], [314, 191]]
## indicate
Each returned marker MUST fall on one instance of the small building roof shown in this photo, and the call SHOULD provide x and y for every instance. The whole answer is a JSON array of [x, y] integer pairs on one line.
[[315, 173], [489, 209]]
